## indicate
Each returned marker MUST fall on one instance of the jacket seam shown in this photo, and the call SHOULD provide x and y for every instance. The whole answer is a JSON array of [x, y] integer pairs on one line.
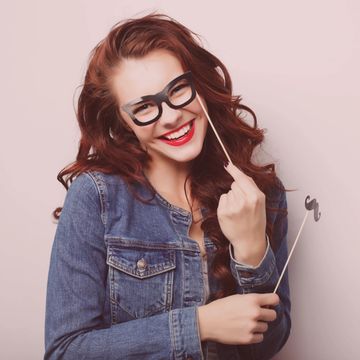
[[101, 189]]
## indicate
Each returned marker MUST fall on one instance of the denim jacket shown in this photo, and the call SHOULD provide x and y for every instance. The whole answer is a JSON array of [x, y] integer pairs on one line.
[[125, 279]]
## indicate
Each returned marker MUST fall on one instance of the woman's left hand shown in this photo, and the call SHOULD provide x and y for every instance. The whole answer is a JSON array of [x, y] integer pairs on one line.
[[241, 211]]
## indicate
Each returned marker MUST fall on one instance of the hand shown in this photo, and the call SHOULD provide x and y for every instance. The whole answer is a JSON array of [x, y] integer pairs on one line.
[[241, 212], [237, 319]]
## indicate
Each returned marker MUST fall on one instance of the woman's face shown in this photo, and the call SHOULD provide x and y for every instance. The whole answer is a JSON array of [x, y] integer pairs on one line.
[[135, 78]]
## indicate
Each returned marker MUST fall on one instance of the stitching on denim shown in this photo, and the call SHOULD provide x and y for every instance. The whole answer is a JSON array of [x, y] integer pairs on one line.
[[176, 329], [266, 275], [198, 333], [168, 289], [101, 188], [172, 337], [133, 243], [256, 280], [113, 308]]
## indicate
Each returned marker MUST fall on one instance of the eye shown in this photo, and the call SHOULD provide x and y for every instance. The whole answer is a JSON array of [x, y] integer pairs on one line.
[[140, 108], [178, 88]]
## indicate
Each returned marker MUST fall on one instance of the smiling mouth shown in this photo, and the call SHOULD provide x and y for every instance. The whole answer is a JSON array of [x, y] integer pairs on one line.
[[183, 139], [191, 123]]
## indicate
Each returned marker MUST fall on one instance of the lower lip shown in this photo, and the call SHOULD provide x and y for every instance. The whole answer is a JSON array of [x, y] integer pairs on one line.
[[183, 140]]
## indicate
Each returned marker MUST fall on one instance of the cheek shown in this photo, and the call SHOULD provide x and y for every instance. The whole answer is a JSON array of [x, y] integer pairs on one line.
[[142, 133], [146, 133], [197, 108]]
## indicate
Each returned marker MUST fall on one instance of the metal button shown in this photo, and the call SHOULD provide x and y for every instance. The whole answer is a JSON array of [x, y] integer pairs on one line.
[[141, 264]]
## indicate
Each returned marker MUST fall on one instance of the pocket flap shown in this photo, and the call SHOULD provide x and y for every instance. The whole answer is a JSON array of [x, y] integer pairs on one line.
[[141, 263]]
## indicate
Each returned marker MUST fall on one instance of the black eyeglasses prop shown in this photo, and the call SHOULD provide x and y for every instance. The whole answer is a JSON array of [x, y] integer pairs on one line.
[[177, 94]]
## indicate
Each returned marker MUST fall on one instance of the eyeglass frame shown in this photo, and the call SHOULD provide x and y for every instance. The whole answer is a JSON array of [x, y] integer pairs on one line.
[[159, 98]]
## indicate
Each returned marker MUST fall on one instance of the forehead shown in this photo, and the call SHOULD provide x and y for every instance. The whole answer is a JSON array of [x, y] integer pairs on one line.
[[136, 77]]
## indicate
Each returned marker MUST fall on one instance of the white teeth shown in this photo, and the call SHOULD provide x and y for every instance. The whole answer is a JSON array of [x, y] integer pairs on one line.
[[179, 133]]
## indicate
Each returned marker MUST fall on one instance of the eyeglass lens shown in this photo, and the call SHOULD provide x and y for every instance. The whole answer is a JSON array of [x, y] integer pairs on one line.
[[178, 94]]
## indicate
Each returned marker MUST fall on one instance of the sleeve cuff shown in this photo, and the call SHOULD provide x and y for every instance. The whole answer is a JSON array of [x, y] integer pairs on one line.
[[185, 333], [251, 276], [246, 265]]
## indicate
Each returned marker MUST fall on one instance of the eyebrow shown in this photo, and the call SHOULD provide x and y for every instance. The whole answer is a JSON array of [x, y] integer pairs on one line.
[[138, 101], [144, 98]]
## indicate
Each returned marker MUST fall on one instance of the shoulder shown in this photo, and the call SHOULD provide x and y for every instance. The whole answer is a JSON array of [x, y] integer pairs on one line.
[[92, 192], [92, 182], [81, 195], [94, 186]]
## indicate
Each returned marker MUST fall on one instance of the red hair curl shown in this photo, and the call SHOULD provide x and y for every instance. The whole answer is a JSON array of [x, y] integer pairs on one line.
[[107, 145]]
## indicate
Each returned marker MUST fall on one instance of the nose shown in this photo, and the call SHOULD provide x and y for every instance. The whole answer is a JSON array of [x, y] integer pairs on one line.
[[170, 118]]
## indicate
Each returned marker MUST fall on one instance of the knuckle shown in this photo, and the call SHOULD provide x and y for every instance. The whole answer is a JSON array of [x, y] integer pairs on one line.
[[256, 199], [252, 297], [261, 197]]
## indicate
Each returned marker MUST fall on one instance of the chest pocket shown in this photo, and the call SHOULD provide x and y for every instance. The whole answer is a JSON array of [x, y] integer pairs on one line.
[[141, 279]]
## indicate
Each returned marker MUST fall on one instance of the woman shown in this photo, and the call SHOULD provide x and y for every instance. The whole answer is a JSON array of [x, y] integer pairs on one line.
[[160, 252]]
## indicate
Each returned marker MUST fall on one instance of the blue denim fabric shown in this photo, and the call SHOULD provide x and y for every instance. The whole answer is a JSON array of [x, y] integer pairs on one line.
[[125, 279]]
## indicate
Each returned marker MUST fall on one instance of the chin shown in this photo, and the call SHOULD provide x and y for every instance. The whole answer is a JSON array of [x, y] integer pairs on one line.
[[188, 156], [177, 156]]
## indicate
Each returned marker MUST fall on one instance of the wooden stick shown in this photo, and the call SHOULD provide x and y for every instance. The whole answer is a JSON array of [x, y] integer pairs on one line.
[[292, 249], [227, 155], [212, 125]]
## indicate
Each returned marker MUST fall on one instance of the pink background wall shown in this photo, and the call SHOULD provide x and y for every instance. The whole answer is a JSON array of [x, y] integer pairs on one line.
[[296, 63]]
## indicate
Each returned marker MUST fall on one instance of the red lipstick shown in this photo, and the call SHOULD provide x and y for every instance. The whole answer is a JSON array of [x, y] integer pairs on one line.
[[183, 139]]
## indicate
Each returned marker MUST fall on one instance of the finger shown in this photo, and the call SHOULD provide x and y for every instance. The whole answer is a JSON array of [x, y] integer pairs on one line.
[[261, 327], [236, 188], [268, 299], [256, 338], [267, 315], [245, 182]]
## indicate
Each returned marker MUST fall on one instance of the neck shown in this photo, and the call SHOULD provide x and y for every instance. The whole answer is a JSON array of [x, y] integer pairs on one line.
[[168, 179]]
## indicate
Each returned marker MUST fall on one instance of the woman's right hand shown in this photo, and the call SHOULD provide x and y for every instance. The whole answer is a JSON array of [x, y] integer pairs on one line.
[[237, 319]]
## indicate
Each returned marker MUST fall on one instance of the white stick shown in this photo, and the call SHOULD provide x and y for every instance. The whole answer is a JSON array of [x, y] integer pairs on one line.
[[227, 155], [292, 249], [207, 115]]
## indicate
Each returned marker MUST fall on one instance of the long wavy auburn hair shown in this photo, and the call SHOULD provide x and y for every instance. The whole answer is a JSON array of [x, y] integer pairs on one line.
[[109, 146]]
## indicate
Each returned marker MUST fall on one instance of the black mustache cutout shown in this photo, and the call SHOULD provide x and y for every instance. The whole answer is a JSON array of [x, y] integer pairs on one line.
[[313, 204]]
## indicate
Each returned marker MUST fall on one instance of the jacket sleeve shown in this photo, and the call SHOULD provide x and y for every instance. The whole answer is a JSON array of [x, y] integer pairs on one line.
[[75, 327], [263, 279]]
